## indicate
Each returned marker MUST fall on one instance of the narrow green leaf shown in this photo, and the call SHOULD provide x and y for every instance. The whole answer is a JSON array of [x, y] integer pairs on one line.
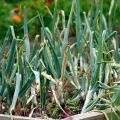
[[11, 53], [16, 93], [65, 40], [26, 38]]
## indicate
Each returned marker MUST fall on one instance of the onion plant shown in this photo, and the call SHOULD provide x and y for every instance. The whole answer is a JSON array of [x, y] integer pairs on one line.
[[89, 66]]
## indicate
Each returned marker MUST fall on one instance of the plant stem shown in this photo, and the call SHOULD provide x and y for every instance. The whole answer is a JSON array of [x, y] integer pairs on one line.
[[87, 100]]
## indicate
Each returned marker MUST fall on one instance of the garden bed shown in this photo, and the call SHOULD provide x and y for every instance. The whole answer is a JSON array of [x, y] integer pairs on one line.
[[59, 76], [85, 116]]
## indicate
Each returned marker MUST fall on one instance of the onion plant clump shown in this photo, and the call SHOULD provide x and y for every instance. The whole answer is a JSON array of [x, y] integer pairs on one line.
[[57, 78]]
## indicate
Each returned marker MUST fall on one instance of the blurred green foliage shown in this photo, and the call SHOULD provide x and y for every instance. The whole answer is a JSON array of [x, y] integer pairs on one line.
[[33, 7]]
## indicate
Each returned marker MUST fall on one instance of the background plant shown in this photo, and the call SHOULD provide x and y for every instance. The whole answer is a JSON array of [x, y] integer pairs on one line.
[[7, 11]]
